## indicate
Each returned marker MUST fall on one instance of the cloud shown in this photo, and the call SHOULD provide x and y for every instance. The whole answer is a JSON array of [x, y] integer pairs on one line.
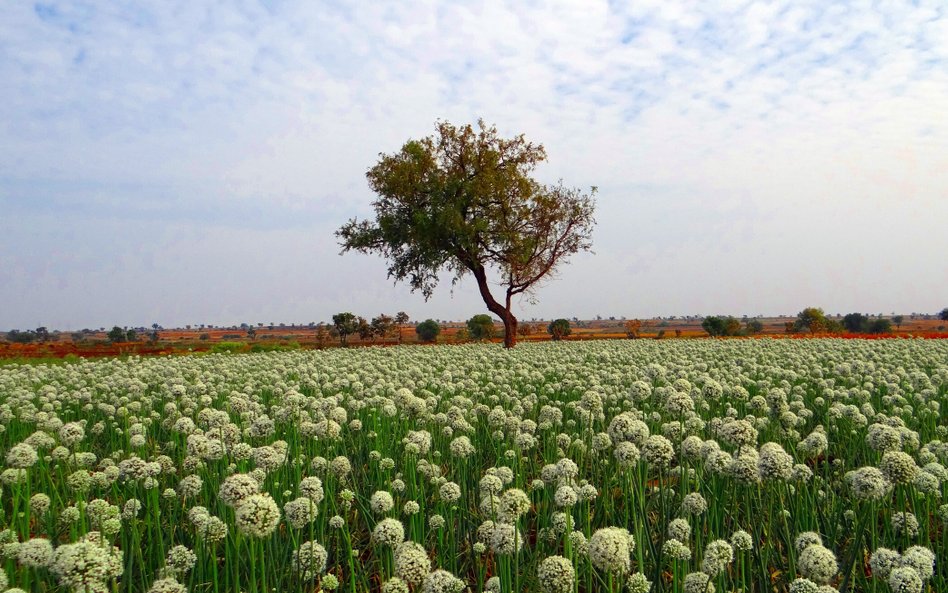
[[780, 141]]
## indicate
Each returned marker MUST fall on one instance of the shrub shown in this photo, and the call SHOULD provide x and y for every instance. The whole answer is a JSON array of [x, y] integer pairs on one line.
[[428, 330], [480, 327], [558, 329]]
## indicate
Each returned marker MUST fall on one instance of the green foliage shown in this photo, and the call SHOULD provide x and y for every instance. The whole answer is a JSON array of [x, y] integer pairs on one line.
[[20, 337], [480, 327], [345, 324], [721, 326], [131, 335], [943, 314], [428, 330], [812, 320], [897, 320], [880, 326], [558, 329], [364, 329], [856, 323], [117, 334], [464, 201], [383, 325]]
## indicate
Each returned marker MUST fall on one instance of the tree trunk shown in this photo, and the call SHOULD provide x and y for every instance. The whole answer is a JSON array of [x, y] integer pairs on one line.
[[510, 330], [510, 322]]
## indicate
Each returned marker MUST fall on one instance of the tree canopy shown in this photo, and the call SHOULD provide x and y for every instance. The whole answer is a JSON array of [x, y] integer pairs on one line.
[[428, 330], [463, 201], [558, 329], [481, 327]]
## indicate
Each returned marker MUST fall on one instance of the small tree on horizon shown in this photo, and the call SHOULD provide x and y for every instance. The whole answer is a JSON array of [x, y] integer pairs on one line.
[[632, 328], [428, 330], [558, 329], [345, 324], [116, 334], [943, 314]]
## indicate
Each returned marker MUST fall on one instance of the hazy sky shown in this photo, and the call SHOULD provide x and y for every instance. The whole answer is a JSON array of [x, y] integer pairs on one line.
[[187, 162]]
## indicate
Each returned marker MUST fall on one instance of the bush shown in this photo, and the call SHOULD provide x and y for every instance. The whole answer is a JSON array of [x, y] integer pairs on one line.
[[428, 330], [15, 336], [880, 326], [721, 326], [558, 329], [856, 323], [481, 327]]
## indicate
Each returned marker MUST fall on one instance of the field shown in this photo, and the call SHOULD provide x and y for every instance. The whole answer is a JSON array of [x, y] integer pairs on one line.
[[690, 466], [185, 340]]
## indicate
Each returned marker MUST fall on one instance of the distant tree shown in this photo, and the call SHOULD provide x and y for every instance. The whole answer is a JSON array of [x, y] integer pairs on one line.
[[880, 326], [428, 330], [713, 325], [732, 326], [116, 334], [77, 337], [364, 329], [716, 325], [897, 320], [480, 327], [204, 337], [632, 328], [42, 334], [322, 335], [558, 329], [401, 318], [943, 314], [383, 325], [20, 337], [345, 325], [856, 323], [754, 326], [130, 335], [464, 201], [812, 320], [154, 336], [526, 329], [251, 332]]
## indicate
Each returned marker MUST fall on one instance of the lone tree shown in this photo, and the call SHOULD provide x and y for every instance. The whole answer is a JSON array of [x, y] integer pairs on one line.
[[558, 329], [428, 330], [345, 324], [480, 327], [463, 200]]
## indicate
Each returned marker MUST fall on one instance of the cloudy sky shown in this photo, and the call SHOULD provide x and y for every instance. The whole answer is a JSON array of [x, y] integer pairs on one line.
[[187, 162]]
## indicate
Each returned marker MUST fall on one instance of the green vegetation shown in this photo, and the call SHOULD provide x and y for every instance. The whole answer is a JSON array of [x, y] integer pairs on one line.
[[558, 329], [464, 201], [428, 330], [480, 327]]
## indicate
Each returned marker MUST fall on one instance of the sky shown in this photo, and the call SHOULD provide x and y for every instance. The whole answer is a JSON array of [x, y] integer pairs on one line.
[[188, 162]]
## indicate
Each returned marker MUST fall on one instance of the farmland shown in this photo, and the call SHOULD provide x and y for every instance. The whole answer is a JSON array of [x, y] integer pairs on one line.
[[684, 466]]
